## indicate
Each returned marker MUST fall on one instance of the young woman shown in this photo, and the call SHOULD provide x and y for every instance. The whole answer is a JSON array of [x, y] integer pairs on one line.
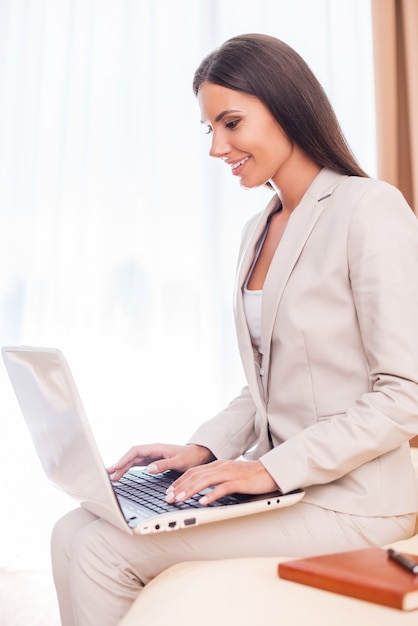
[[326, 313]]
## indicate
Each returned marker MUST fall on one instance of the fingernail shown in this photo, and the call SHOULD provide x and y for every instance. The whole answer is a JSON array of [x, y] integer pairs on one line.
[[152, 469], [203, 500], [170, 496]]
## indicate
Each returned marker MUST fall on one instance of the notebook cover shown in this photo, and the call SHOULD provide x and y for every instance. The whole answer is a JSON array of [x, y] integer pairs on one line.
[[366, 574]]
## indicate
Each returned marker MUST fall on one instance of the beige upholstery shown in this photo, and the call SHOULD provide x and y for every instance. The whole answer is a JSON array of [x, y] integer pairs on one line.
[[248, 591]]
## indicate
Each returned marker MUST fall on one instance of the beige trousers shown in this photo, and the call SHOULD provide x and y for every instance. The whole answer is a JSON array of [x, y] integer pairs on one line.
[[99, 570]]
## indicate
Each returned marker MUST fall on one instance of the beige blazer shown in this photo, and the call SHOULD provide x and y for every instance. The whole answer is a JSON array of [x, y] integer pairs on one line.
[[333, 400]]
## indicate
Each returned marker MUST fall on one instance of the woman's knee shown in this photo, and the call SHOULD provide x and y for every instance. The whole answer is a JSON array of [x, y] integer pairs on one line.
[[66, 529]]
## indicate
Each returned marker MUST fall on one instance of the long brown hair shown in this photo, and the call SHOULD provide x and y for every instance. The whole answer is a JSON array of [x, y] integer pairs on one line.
[[265, 67]]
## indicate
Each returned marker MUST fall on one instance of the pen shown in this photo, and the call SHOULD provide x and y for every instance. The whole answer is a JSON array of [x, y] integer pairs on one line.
[[403, 561]]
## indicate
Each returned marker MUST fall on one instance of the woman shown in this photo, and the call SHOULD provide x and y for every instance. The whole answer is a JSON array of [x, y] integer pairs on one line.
[[326, 318]]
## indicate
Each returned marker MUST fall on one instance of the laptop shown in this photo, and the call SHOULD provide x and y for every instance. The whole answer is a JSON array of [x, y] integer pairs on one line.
[[51, 406]]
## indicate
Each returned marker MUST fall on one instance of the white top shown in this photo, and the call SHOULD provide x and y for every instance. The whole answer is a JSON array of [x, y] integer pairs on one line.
[[252, 297], [252, 309]]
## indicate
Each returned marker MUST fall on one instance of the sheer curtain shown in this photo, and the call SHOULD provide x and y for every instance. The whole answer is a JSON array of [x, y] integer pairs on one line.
[[118, 233]]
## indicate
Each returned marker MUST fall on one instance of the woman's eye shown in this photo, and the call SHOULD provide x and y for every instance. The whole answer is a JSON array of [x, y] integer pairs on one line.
[[231, 125]]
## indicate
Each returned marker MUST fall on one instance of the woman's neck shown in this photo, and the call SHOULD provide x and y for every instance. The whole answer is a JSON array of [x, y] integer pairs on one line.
[[292, 181]]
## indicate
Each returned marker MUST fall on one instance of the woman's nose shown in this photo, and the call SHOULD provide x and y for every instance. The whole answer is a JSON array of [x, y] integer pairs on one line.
[[219, 148]]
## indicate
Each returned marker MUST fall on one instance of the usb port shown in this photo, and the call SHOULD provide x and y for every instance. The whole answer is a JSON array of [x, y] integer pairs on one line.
[[172, 524], [190, 521]]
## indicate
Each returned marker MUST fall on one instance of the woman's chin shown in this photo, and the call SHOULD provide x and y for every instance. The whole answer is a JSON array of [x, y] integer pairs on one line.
[[247, 184]]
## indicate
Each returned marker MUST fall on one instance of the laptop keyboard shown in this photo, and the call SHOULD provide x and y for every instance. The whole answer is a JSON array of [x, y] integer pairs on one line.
[[149, 490]]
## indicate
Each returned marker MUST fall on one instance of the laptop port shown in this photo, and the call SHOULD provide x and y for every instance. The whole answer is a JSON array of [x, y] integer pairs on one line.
[[190, 521], [172, 524]]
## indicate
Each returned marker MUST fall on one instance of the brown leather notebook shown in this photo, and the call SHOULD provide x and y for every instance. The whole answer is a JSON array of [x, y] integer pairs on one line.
[[367, 574]]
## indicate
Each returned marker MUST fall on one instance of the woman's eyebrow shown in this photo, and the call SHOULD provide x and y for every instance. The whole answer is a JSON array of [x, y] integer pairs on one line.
[[221, 115]]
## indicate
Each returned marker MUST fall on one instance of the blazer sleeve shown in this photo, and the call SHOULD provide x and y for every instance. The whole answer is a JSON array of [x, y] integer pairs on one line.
[[231, 432], [382, 257]]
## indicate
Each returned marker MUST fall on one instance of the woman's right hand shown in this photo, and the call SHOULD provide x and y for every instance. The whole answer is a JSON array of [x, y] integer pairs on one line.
[[159, 457]]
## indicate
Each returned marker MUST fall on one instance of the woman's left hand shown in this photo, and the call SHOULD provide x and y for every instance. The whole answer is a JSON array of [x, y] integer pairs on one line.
[[227, 476]]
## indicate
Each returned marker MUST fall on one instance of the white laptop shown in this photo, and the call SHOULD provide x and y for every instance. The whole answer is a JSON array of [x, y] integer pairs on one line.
[[65, 444]]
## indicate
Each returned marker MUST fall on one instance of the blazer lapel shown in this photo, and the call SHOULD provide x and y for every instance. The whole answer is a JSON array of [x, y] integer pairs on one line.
[[251, 238], [248, 354], [301, 223], [299, 227]]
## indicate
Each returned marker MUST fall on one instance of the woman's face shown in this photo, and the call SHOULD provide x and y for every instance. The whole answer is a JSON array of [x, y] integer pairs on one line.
[[244, 134]]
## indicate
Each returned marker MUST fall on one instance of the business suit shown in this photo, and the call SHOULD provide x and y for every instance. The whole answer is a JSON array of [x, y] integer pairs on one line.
[[307, 412], [333, 399]]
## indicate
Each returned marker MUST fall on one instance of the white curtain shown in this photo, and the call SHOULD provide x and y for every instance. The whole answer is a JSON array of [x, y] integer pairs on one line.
[[118, 234]]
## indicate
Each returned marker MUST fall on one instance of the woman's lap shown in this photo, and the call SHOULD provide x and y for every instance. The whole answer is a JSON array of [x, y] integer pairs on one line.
[[107, 567]]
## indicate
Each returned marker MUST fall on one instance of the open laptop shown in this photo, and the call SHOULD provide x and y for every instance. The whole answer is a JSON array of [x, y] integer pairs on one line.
[[66, 447]]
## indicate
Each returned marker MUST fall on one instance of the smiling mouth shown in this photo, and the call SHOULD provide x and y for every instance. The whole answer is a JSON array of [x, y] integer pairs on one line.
[[235, 165]]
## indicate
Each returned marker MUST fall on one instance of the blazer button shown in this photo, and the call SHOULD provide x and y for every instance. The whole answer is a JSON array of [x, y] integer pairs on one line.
[[261, 371]]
